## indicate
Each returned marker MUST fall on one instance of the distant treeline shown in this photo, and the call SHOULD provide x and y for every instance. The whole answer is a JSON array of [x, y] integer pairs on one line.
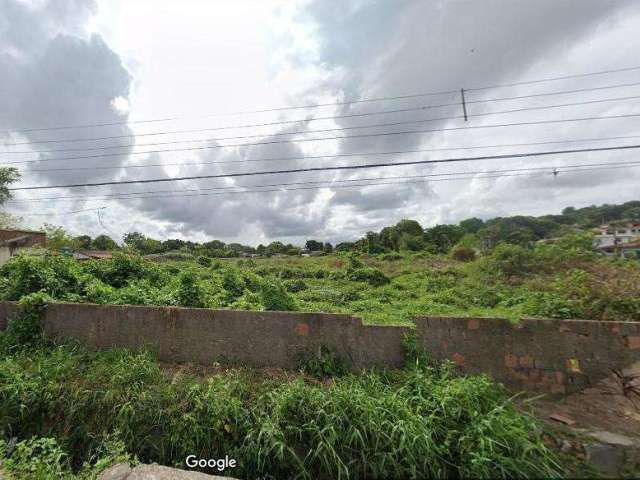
[[405, 235]]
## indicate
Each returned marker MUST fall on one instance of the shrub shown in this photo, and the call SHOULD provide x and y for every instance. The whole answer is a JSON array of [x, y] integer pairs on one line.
[[323, 363], [25, 329], [274, 297], [371, 275], [24, 274], [294, 286], [204, 261], [189, 292], [463, 254], [512, 260], [118, 270]]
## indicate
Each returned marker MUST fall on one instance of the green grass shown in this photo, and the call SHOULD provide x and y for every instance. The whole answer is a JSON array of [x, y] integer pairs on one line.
[[78, 411]]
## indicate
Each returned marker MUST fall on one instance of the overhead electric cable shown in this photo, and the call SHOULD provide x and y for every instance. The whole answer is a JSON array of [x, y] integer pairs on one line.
[[302, 140], [331, 168], [351, 102], [333, 117], [305, 132], [331, 182], [337, 155], [467, 176]]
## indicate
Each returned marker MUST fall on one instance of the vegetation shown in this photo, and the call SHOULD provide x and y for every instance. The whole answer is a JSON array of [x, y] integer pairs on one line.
[[66, 411], [565, 279]]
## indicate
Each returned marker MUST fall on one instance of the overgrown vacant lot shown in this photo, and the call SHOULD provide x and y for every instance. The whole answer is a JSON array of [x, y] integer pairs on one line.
[[562, 280], [69, 413]]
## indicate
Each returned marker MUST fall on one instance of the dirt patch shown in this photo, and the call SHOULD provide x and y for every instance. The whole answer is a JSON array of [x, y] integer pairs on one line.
[[613, 405]]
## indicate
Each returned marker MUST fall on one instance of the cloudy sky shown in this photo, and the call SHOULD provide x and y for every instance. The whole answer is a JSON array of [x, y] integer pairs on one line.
[[169, 79]]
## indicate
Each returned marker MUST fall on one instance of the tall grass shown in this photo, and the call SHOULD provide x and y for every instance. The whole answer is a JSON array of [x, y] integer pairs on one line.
[[417, 423]]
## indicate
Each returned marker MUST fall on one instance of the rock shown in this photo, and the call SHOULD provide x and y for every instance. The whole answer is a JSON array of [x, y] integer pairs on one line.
[[607, 459], [612, 438], [119, 471], [562, 419], [565, 446], [122, 471]]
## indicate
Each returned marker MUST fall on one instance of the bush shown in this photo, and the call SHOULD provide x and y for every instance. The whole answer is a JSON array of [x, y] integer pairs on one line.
[[274, 297], [25, 330], [24, 274], [512, 260], [189, 292], [204, 261], [294, 286], [324, 363], [463, 254], [371, 275]]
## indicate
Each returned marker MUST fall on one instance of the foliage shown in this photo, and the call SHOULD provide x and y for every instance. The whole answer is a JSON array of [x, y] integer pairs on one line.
[[189, 292], [512, 260], [418, 423], [104, 242], [25, 330], [323, 363], [274, 297], [8, 175], [463, 254], [58, 238], [372, 276]]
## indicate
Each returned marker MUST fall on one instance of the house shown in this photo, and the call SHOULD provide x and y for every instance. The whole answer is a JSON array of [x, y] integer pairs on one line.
[[83, 255], [615, 234], [13, 242], [626, 249]]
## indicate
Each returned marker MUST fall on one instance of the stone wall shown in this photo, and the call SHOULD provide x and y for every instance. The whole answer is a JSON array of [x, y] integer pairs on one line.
[[554, 356]]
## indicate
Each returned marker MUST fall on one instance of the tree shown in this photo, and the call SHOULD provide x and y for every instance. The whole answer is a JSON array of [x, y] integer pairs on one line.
[[83, 241], [104, 242], [441, 238], [327, 248], [7, 177], [58, 238], [471, 225], [410, 227], [313, 245], [390, 238]]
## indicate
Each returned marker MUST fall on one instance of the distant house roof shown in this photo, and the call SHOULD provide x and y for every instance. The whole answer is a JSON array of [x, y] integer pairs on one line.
[[22, 238], [95, 254]]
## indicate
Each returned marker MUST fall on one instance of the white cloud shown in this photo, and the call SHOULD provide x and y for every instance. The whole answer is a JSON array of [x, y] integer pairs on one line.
[[77, 61]]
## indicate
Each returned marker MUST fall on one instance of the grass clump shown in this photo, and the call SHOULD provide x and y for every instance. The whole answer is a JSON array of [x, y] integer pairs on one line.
[[74, 406]]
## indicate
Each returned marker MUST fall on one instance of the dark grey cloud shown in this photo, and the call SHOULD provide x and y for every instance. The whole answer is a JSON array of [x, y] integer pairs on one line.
[[55, 74]]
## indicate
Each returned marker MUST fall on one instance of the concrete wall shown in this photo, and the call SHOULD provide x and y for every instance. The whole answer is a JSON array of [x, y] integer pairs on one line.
[[541, 355]]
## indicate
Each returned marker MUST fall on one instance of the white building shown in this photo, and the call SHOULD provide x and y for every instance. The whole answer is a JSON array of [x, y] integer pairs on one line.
[[617, 234]]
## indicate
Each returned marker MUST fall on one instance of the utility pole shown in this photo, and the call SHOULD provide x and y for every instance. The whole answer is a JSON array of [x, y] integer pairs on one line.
[[464, 104]]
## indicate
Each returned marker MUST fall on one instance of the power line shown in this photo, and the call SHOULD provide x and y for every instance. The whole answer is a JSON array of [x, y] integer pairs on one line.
[[450, 176], [341, 167], [364, 100], [140, 193], [307, 120], [48, 214], [305, 132], [303, 140], [337, 155]]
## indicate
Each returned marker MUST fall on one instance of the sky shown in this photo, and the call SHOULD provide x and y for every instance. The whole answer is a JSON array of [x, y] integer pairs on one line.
[[199, 78]]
